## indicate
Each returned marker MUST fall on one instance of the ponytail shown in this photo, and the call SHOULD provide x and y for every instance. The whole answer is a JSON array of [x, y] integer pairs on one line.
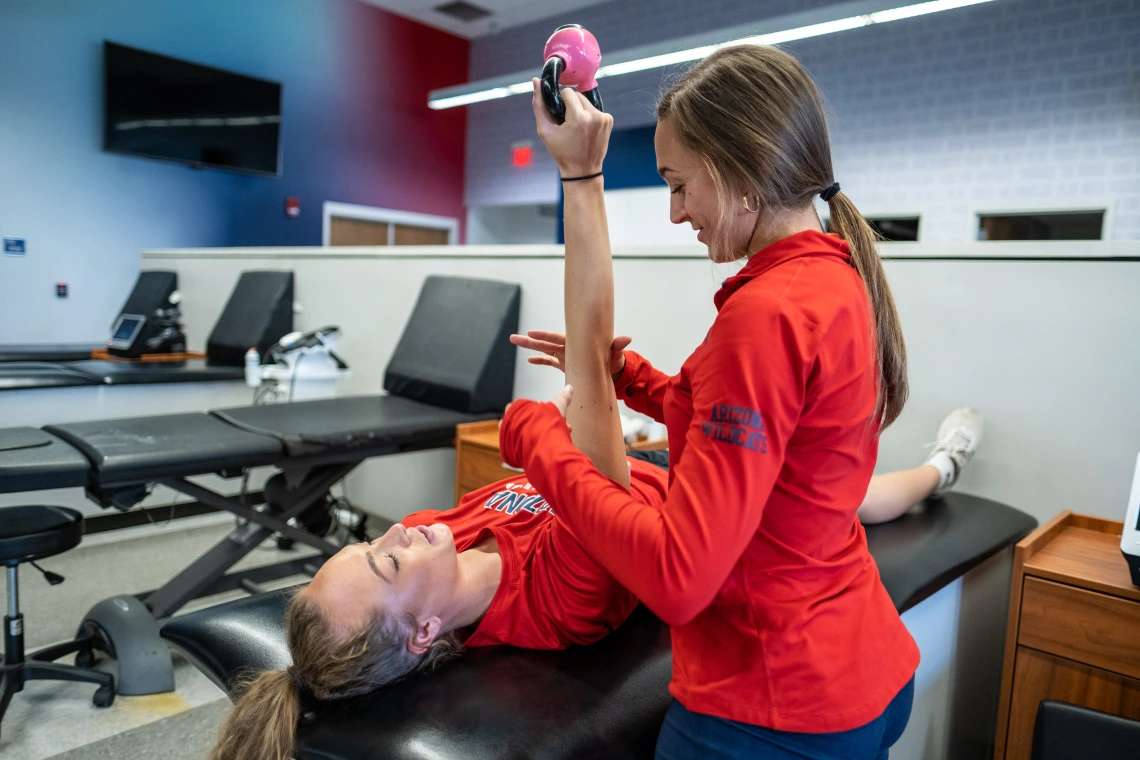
[[263, 721], [329, 664], [849, 224]]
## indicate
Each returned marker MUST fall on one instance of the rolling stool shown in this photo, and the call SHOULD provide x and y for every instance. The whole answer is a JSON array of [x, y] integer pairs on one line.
[[28, 534]]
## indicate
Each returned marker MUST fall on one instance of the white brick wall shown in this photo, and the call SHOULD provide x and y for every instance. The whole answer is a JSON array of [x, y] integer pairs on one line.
[[1031, 104]]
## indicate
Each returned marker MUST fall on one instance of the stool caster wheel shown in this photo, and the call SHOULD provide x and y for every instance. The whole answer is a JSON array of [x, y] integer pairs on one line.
[[85, 658], [104, 696]]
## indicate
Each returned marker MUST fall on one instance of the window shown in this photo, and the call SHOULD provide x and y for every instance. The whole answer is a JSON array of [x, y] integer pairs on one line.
[[348, 224], [892, 228], [1052, 225], [904, 229]]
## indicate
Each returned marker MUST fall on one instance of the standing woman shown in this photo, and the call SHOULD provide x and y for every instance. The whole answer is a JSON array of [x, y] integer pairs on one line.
[[785, 643]]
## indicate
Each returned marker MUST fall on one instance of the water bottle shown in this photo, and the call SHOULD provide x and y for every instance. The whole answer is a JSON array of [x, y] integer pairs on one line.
[[252, 368]]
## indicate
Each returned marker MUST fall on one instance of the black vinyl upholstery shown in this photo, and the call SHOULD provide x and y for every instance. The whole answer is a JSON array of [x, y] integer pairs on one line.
[[603, 701], [46, 352], [1071, 732], [940, 540], [34, 532], [40, 373], [151, 373], [138, 449], [32, 460], [377, 423]]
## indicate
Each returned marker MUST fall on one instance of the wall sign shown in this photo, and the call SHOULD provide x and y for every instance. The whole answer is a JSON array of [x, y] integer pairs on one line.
[[15, 246]]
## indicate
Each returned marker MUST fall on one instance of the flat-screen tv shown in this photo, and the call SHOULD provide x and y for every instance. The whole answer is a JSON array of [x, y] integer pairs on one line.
[[165, 108]]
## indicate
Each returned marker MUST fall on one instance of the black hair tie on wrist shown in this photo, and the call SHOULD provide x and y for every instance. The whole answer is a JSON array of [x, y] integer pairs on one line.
[[578, 179], [829, 193]]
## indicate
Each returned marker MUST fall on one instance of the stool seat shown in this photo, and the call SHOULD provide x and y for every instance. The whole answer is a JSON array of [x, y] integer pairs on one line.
[[35, 532]]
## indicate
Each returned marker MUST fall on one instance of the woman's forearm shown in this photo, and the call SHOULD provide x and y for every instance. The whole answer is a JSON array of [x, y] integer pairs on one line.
[[589, 306]]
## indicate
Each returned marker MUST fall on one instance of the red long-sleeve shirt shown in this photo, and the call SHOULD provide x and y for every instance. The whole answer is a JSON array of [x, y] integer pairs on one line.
[[756, 558]]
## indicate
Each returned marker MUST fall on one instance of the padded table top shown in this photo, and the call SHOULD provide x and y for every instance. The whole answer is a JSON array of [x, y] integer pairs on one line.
[[47, 352], [40, 373], [32, 460], [138, 449], [940, 540], [145, 373], [384, 422], [605, 700]]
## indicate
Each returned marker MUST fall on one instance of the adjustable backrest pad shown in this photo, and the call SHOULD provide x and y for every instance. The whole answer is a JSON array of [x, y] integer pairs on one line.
[[455, 351]]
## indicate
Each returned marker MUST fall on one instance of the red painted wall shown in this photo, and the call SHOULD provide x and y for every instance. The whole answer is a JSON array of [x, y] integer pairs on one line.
[[410, 157]]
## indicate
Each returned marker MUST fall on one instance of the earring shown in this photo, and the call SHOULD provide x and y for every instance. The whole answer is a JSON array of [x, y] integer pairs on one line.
[[749, 209]]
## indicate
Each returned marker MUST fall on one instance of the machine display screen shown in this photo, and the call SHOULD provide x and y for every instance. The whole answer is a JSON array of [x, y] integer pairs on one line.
[[125, 330]]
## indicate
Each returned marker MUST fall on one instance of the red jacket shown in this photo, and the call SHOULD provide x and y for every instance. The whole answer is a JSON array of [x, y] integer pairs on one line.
[[756, 559]]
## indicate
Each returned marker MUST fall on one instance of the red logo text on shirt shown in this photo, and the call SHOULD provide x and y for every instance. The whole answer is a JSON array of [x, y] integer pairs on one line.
[[513, 502]]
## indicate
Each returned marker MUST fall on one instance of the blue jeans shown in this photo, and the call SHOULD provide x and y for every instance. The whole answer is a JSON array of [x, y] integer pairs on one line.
[[688, 735]]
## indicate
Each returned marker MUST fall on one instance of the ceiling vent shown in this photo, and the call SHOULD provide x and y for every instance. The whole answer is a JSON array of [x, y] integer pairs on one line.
[[462, 11]]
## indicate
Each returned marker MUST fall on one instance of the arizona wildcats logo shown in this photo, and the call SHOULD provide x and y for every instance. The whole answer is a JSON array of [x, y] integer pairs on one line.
[[737, 425]]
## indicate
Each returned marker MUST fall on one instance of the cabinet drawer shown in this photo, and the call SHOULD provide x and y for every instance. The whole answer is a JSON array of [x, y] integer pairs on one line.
[[479, 467], [1081, 625]]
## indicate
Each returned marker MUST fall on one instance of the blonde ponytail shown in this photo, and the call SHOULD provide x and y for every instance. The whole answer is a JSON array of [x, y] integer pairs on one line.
[[263, 722], [849, 224]]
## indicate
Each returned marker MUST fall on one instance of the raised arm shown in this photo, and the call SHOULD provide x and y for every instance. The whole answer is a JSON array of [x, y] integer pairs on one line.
[[579, 147]]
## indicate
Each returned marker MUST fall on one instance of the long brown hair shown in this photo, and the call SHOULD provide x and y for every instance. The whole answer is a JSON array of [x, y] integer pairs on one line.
[[326, 665], [756, 118]]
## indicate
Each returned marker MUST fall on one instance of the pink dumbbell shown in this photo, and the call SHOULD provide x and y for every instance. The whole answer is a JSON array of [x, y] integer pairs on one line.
[[571, 59]]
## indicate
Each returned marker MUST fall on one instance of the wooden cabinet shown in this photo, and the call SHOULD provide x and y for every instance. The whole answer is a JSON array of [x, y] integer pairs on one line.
[[1074, 628], [477, 461]]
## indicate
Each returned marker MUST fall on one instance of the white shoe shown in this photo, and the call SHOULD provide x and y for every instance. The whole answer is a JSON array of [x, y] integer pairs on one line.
[[958, 438]]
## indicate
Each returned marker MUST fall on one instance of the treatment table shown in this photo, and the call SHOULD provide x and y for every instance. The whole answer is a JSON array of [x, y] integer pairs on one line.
[[606, 700]]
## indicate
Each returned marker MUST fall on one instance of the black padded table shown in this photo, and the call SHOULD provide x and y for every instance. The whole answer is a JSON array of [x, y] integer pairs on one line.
[[602, 701], [47, 352], [32, 460], [16, 376], [147, 373], [390, 423], [40, 373], [140, 449]]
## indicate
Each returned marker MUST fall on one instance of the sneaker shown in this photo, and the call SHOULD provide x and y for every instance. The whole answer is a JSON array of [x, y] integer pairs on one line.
[[958, 438]]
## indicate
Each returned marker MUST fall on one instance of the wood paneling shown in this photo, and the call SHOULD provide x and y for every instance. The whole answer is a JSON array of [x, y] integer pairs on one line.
[[1041, 676], [407, 234], [1097, 629], [344, 231]]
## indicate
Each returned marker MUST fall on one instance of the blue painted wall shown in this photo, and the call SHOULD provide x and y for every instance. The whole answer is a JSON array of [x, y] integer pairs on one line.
[[631, 161], [355, 129]]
